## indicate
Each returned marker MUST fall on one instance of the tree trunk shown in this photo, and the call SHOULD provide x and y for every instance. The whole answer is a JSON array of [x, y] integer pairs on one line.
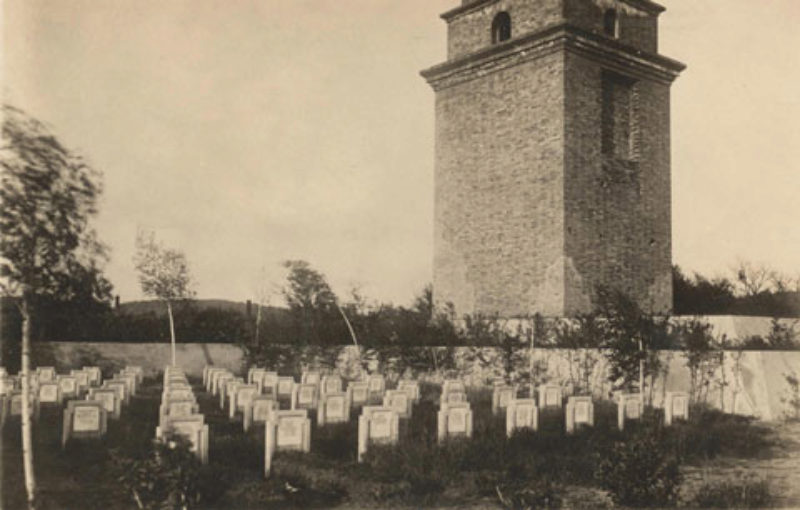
[[171, 330], [27, 442], [641, 373]]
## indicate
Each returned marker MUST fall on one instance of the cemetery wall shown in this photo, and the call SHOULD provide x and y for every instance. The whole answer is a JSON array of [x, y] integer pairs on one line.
[[152, 357], [750, 382]]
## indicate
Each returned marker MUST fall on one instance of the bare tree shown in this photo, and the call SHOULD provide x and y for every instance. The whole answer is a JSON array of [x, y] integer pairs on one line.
[[47, 247], [752, 278], [163, 274]]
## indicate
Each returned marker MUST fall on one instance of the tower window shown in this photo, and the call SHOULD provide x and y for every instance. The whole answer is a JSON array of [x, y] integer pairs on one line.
[[611, 23], [501, 28], [620, 127]]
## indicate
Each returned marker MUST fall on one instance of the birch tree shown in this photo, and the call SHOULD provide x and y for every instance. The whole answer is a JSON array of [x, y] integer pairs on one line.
[[164, 275], [47, 199]]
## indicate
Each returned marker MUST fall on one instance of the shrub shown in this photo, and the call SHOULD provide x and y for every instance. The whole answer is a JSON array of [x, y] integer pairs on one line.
[[641, 471], [744, 492], [527, 496], [165, 477]]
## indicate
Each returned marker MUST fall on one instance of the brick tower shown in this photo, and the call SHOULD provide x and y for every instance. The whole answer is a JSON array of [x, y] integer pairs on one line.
[[552, 156]]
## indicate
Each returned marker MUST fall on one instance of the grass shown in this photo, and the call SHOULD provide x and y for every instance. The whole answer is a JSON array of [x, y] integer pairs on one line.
[[529, 469]]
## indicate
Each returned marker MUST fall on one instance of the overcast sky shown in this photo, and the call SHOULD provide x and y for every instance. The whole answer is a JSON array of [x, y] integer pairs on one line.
[[250, 132]]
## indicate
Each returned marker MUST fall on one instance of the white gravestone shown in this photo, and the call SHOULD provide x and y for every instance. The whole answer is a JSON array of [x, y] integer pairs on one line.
[[46, 374], [501, 396], [69, 386], [358, 393], [377, 387], [120, 387], [629, 407], [95, 375], [270, 383], [411, 388], [218, 381], [286, 431], [258, 410], [311, 378], [193, 428], [676, 406], [304, 396], [82, 379], [211, 376], [521, 413], [109, 398], [242, 395], [330, 384], [399, 401], [50, 393], [377, 424], [228, 390], [83, 419], [550, 395], [333, 408], [454, 420], [579, 411], [453, 397], [285, 387]]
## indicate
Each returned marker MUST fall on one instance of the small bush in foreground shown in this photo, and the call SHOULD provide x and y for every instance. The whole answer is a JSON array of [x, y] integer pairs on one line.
[[528, 496], [745, 492], [166, 477], [641, 471]]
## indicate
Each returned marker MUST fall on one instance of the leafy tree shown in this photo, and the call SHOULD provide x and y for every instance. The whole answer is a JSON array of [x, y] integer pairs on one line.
[[163, 274], [581, 336], [703, 356], [631, 339], [47, 246]]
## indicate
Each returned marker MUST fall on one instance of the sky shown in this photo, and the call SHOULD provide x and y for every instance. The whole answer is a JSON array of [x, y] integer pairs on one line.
[[246, 132]]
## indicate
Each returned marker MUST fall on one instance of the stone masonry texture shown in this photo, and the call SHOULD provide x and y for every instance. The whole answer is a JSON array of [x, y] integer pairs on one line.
[[532, 211]]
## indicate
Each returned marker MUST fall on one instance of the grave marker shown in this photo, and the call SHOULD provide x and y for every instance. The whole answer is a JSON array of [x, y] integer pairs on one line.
[[228, 390], [411, 388], [69, 386], [284, 388], [7, 385], [399, 401], [453, 397], [579, 411], [109, 397], [333, 408], [330, 384], [676, 405], [83, 419], [454, 420], [50, 393], [304, 396], [270, 383], [258, 410], [377, 424], [95, 375], [121, 387], [521, 413], [629, 407], [46, 374], [286, 431], [193, 428], [241, 396], [358, 393], [550, 395], [312, 378], [377, 387], [501, 396]]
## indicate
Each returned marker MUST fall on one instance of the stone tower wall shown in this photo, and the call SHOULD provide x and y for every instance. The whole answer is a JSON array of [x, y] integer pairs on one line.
[[499, 209]]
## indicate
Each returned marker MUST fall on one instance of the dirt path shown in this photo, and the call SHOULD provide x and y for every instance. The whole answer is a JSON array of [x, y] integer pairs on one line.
[[781, 467]]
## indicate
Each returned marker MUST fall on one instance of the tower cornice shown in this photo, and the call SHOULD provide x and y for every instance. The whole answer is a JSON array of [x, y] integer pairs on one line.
[[645, 5], [609, 52]]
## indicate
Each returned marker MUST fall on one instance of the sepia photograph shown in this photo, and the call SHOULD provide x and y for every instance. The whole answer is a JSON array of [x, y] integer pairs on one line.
[[384, 254]]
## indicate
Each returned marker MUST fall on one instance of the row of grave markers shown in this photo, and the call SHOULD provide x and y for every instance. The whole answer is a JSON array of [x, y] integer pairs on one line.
[[87, 418], [260, 398], [179, 413]]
